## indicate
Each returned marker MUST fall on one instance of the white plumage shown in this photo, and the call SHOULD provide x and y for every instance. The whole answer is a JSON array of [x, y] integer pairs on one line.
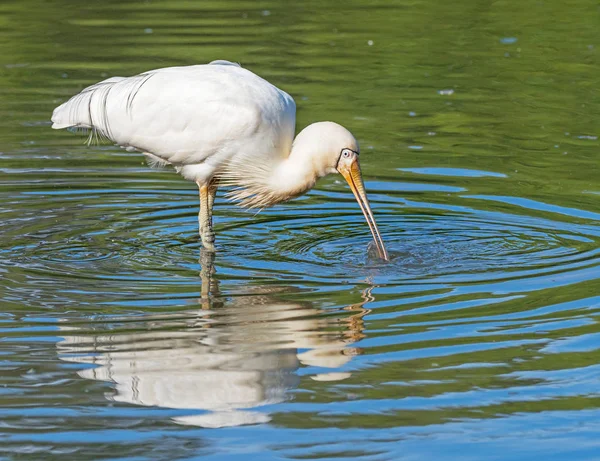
[[199, 116], [217, 124]]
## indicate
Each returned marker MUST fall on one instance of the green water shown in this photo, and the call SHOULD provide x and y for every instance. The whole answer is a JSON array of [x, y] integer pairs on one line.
[[478, 124]]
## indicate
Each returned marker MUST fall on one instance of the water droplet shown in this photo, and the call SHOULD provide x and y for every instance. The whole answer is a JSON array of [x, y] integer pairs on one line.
[[412, 114], [370, 42], [508, 40], [148, 30], [446, 92]]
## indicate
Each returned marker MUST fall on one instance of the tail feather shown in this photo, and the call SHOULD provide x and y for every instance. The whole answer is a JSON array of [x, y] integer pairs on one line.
[[77, 111], [90, 108]]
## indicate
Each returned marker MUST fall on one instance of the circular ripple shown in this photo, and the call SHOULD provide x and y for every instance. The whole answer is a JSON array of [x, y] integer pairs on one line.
[[307, 243], [477, 246]]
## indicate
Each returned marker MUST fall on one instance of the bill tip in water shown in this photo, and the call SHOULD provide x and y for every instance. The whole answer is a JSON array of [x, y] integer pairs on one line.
[[374, 252]]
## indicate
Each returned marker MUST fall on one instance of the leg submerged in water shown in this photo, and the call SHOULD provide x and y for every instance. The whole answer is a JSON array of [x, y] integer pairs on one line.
[[210, 285], [207, 200]]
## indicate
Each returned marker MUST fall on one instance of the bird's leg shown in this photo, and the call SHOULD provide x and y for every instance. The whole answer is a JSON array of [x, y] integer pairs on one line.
[[212, 192], [207, 198], [210, 284]]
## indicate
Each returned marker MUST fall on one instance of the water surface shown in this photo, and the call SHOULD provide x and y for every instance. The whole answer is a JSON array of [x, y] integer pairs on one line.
[[121, 339]]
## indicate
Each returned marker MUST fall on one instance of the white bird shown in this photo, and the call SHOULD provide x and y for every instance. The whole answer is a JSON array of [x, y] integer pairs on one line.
[[219, 124]]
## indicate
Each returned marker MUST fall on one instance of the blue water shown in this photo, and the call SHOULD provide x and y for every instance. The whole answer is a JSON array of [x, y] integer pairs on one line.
[[121, 339]]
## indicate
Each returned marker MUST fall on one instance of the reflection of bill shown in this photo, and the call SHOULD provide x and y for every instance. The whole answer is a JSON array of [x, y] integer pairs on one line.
[[223, 358]]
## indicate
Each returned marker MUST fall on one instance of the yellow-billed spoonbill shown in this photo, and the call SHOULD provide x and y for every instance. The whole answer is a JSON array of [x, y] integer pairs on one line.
[[219, 124]]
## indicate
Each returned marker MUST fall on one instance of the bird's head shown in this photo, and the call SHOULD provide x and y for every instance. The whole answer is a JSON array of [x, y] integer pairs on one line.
[[319, 149], [333, 149]]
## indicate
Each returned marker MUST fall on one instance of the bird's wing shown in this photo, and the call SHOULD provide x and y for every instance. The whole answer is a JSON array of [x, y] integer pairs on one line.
[[184, 115]]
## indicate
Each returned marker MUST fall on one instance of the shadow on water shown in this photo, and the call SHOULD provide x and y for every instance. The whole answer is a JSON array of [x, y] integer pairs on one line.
[[227, 357]]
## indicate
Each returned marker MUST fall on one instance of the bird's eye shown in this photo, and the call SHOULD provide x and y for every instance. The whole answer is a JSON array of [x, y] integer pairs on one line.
[[346, 153]]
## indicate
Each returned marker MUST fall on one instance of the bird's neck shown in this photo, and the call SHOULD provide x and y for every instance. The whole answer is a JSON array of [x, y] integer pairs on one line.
[[293, 175], [267, 182]]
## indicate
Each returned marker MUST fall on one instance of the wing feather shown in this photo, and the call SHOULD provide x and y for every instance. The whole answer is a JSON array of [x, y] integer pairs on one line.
[[214, 120], [186, 115]]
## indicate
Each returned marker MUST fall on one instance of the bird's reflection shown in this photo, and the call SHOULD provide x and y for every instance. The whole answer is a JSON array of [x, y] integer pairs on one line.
[[234, 354]]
